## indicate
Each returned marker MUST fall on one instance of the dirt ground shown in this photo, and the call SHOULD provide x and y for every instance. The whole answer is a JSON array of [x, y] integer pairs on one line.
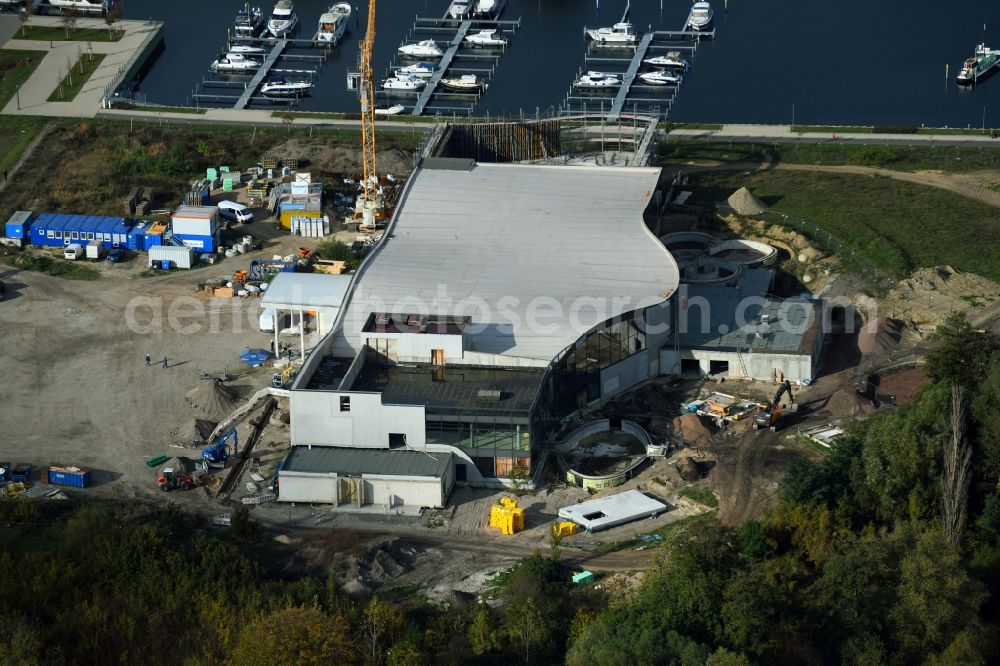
[[80, 392]]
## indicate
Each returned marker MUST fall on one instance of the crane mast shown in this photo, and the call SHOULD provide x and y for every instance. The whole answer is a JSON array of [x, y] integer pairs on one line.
[[368, 204]]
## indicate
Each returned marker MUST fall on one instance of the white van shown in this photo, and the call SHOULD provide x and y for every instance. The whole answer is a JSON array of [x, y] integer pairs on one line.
[[237, 212], [267, 320], [73, 251]]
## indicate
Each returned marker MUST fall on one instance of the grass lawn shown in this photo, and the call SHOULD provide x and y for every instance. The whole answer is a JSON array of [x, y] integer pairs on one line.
[[69, 270], [15, 68], [898, 158], [16, 132], [76, 79], [897, 226], [702, 495], [58, 34], [166, 109]]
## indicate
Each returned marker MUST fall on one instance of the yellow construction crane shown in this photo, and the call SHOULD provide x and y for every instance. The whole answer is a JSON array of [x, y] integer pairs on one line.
[[368, 203]]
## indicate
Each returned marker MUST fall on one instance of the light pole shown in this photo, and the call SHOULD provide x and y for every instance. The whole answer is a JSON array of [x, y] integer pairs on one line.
[[17, 93], [984, 119], [793, 116]]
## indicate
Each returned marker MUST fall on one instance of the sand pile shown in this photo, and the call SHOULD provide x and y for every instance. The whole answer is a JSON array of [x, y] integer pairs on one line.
[[848, 402], [691, 430], [196, 432], [902, 385], [213, 398], [880, 335], [745, 203]]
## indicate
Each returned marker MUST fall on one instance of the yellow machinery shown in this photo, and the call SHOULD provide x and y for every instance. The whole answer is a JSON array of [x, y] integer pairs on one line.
[[367, 204], [506, 517], [563, 529]]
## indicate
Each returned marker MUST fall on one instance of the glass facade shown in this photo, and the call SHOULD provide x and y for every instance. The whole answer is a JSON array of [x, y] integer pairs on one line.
[[497, 443]]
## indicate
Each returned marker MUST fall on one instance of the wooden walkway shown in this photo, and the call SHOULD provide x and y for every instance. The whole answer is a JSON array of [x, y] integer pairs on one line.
[[428, 91], [633, 69], [258, 78]]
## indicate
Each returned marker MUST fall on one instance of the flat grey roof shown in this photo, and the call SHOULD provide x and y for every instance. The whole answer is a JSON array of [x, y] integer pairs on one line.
[[741, 318], [505, 243], [384, 462], [306, 290], [453, 387], [613, 510]]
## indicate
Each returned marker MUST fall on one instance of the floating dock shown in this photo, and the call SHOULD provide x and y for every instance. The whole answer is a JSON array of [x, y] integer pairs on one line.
[[258, 78], [632, 92], [457, 59]]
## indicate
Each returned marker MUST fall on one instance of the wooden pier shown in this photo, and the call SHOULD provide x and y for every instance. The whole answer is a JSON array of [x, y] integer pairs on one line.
[[428, 91]]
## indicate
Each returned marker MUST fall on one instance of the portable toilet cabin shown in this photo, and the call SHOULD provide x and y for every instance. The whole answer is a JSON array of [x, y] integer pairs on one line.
[[19, 225]]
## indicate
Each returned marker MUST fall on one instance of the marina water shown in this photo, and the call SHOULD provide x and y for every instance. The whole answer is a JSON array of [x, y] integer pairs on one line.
[[773, 61]]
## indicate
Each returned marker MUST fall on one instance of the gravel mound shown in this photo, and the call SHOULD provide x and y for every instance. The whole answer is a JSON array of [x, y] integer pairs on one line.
[[745, 203], [213, 398], [879, 335], [848, 402]]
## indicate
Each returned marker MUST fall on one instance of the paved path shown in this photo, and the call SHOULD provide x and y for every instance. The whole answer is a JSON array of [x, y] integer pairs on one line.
[[784, 134], [34, 93]]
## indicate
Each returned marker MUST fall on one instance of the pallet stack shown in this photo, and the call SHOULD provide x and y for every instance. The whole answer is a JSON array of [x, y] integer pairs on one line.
[[506, 516]]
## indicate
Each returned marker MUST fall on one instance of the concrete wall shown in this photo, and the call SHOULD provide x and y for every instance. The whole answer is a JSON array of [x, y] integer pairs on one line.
[[389, 491], [317, 420], [759, 365], [416, 347]]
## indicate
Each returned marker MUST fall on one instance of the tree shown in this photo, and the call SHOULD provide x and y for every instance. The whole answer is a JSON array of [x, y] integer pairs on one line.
[[963, 355], [957, 465], [524, 626], [380, 626], [69, 20], [301, 636], [750, 610], [723, 657], [937, 598], [111, 17], [482, 636]]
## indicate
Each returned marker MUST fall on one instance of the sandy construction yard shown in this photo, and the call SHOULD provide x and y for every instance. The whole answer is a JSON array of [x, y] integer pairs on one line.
[[76, 387]]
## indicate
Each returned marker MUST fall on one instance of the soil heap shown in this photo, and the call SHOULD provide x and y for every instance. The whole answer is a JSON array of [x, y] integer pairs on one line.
[[745, 203], [880, 335], [197, 430], [691, 430], [213, 398]]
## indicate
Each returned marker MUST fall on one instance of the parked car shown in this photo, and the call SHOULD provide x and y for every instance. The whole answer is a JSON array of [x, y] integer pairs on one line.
[[115, 255], [230, 210], [73, 251]]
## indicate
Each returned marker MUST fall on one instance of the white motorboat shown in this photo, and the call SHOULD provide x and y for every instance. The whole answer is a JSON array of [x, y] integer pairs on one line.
[[408, 83], [488, 9], [426, 48], [235, 63], [661, 77], [597, 80], [393, 110], [464, 83], [279, 87], [485, 38], [424, 70], [246, 49], [671, 60], [78, 4], [700, 17], [333, 23], [620, 34], [459, 9], [283, 19], [249, 22]]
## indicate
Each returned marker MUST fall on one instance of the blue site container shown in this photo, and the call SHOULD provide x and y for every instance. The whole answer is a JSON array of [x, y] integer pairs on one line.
[[76, 477], [20, 473], [19, 224]]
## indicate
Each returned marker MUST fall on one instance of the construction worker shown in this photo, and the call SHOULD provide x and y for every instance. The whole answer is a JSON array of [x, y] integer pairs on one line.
[[164, 361], [149, 361]]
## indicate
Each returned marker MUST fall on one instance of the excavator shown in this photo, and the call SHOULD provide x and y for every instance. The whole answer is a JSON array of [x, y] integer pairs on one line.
[[767, 414]]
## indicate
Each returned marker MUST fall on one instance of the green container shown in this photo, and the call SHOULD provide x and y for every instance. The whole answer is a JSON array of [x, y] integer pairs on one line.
[[158, 460], [227, 184], [583, 578], [223, 169], [211, 174]]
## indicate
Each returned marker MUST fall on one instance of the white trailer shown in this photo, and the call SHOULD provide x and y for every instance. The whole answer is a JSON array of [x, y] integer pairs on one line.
[[94, 250]]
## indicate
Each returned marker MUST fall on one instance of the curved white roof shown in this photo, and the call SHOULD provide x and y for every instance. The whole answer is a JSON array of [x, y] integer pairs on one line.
[[535, 255]]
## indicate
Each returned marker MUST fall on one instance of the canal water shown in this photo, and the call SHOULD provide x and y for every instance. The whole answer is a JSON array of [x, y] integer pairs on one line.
[[773, 61]]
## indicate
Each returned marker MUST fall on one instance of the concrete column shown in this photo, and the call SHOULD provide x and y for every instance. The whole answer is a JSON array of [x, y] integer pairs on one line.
[[336, 491], [277, 318], [302, 333]]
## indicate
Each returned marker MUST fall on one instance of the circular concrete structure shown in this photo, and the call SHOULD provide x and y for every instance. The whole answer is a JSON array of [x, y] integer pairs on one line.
[[596, 456], [745, 252]]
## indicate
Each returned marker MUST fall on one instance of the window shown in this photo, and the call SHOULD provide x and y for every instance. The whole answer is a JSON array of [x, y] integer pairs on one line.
[[397, 440], [58, 234], [461, 472], [76, 235], [90, 235], [50, 234], [718, 367], [345, 403]]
